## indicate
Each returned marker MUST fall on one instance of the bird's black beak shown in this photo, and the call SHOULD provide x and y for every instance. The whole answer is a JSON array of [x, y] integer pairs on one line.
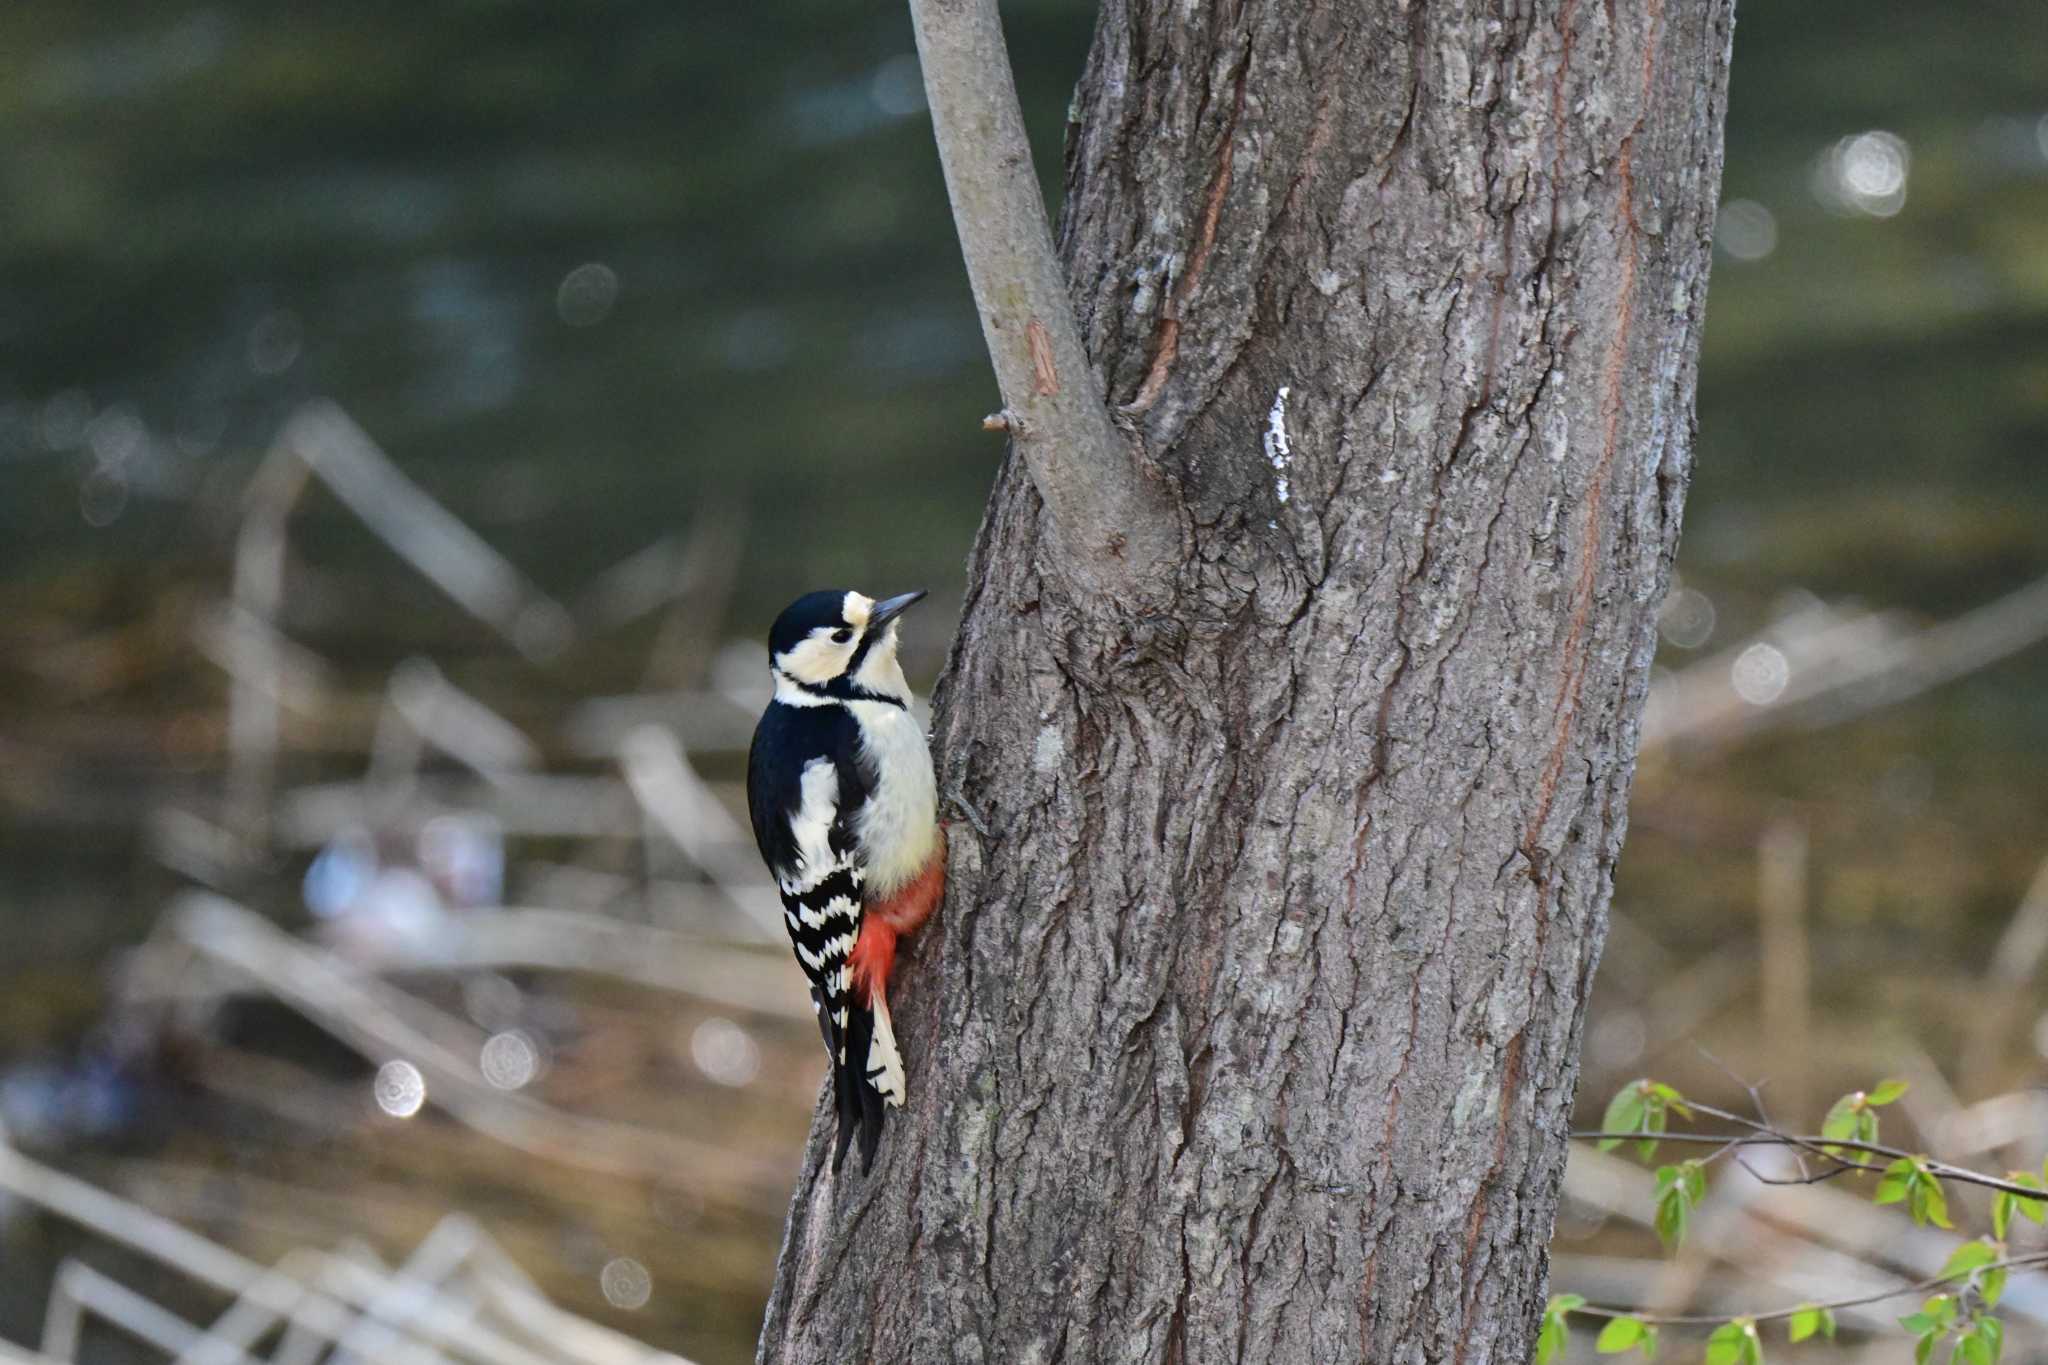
[[886, 611]]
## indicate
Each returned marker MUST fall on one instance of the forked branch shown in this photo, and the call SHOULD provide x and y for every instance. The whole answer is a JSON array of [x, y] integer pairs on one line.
[[1113, 519]]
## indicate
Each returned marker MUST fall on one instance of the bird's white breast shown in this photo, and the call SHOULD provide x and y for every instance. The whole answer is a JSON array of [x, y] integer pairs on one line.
[[898, 827]]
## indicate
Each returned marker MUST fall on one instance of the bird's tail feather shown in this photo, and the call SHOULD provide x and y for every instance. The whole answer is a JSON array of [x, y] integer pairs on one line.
[[855, 1096], [885, 1063]]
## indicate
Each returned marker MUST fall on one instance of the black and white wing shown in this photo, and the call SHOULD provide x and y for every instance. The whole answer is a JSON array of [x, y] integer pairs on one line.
[[804, 786]]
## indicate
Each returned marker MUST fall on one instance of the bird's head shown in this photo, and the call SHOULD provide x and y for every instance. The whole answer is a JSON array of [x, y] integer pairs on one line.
[[835, 643]]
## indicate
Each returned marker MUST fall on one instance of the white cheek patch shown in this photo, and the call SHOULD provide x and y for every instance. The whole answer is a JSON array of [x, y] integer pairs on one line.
[[817, 659]]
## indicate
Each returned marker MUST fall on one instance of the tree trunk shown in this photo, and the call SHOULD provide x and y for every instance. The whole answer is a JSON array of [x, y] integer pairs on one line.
[[1251, 1031]]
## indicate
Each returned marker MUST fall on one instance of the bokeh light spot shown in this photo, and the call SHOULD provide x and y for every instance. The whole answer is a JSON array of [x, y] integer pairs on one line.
[[1687, 619], [400, 1090], [626, 1283], [1746, 230], [1760, 674], [1864, 174], [587, 294], [724, 1052], [509, 1060], [116, 437]]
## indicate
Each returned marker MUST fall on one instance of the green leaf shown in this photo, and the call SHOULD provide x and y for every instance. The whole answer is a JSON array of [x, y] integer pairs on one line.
[[1805, 1322], [1679, 1189], [1655, 1118], [1967, 1258], [1974, 1349], [1827, 1323], [1624, 1113], [1619, 1335], [1555, 1334], [1991, 1285], [1924, 1352], [1932, 1202], [1841, 1120], [2006, 1204], [1886, 1092], [1673, 1214], [1935, 1314], [1909, 1177], [1993, 1331], [1672, 1099], [1726, 1345]]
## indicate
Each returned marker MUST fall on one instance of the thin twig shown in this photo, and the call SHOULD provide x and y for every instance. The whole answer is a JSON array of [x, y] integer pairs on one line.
[[1764, 1137], [1805, 1177], [1755, 1090], [1714, 1319]]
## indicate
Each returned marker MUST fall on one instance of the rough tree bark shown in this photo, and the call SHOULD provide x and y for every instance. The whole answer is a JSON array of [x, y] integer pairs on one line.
[[1251, 1031]]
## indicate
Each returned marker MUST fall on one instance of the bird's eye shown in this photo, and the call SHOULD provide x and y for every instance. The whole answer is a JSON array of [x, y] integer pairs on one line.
[[841, 635]]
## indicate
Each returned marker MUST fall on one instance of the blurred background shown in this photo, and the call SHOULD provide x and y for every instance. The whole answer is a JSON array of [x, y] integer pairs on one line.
[[411, 415]]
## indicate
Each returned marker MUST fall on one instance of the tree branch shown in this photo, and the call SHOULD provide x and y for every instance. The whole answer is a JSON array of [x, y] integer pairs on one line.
[[1769, 1137], [1704, 1319], [1113, 518]]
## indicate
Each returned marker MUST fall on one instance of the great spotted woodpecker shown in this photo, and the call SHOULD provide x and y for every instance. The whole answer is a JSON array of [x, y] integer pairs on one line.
[[839, 783]]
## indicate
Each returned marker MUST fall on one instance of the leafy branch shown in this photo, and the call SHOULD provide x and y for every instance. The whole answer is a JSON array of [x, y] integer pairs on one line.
[[2020, 1185], [1969, 1252], [1640, 1112], [1736, 1340], [1970, 1284]]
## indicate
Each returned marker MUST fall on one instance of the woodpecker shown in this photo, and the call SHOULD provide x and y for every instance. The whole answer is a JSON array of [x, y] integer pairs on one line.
[[845, 809]]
